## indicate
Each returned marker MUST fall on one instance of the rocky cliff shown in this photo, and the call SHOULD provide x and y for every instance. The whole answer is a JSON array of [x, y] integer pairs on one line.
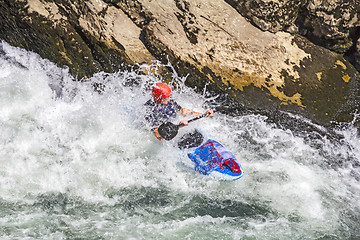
[[286, 55]]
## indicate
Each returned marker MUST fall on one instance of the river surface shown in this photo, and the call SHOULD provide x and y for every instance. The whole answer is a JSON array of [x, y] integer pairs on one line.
[[76, 164]]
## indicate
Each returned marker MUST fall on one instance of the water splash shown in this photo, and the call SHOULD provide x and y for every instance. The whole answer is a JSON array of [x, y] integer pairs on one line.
[[78, 163]]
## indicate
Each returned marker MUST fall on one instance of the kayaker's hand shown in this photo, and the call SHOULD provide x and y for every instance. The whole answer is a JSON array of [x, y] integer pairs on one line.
[[183, 123], [157, 135], [211, 113]]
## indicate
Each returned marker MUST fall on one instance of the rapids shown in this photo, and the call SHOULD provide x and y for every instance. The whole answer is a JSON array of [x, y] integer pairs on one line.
[[78, 164]]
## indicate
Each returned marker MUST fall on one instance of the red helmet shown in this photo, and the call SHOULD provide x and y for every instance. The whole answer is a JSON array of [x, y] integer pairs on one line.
[[160, 91]]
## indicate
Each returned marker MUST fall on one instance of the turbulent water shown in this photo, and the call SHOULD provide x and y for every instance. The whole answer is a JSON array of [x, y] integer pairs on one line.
[[76, 164]]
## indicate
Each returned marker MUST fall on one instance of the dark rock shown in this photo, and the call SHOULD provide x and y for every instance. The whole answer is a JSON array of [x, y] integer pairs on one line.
[[62, 41], [328, 23], [209, 42], [270, 16]]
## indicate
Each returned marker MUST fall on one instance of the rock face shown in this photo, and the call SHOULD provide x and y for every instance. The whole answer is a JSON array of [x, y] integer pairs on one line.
[[86, 36], [273, 15], [357, 54], [330, 23], [208, 40]]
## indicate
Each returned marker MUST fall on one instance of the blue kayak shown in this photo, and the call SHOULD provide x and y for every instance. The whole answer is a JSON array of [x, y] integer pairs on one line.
[[213, 159]]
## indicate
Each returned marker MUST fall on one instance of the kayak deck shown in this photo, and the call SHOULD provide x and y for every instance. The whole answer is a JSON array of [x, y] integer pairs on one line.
[[215, 160]]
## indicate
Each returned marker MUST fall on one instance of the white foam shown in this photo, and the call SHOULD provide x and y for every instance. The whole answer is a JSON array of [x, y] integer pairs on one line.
[[60, 136]]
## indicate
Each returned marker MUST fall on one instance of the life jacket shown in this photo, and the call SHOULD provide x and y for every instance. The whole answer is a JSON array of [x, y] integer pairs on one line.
[[159, 113]]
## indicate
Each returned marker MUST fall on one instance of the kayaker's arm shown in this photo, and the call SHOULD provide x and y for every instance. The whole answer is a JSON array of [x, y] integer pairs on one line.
[[184, 112], [183, 123]]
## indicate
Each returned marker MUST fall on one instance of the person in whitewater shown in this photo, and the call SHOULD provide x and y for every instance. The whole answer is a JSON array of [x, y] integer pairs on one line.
[[161, 108]]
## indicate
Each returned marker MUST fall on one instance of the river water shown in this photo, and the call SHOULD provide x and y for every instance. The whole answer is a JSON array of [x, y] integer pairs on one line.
[[76, 164]]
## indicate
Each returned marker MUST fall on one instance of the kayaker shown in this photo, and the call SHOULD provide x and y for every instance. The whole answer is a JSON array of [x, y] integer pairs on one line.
[[161, 108]]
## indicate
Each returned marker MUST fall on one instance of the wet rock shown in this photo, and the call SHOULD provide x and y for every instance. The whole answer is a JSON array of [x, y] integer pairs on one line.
[[271, 15], [329, 23], [85, 36], [257, 69], [357, 54], [206, 40]]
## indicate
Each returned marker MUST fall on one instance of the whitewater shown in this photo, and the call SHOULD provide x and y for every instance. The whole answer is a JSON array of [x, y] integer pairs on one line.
[[76, 163]]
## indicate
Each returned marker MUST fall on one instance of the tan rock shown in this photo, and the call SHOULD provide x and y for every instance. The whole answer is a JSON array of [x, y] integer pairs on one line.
[[206, 40], [47, 9], [226, 44], [111, 24]]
